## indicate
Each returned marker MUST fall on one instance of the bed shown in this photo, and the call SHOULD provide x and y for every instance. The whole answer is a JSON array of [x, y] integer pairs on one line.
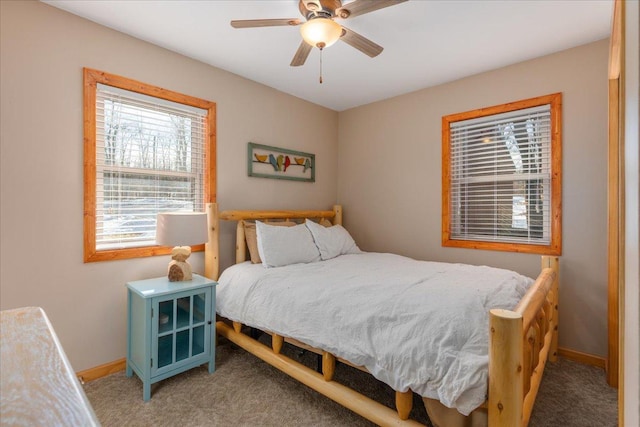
[[519, 325]]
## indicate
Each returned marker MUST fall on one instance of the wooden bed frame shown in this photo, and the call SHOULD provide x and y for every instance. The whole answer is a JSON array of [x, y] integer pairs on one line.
[[520, 342]]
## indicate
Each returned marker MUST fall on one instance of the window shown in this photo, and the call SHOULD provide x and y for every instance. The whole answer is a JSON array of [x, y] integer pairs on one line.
[[501, 177], [147, 150]]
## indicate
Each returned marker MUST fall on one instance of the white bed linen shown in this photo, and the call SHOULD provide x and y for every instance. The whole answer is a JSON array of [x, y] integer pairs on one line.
[[412, 324]]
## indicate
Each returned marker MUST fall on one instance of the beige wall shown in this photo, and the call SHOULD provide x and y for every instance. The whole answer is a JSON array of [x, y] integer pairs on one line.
[[43, 51], [390, 177]]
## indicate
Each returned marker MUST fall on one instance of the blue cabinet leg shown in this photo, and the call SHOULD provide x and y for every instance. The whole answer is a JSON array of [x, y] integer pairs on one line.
[[129, 371], [146, 391]]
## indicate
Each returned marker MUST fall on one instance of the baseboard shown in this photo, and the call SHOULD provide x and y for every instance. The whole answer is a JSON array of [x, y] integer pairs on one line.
[[102, 370], [584, 358], [120, 365]]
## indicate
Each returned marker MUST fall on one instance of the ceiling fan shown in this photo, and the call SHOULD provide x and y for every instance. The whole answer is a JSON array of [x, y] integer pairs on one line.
[[319, 29]]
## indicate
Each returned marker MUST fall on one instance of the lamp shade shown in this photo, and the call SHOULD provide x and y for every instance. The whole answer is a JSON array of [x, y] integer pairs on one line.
[[321, 32], [181, 228]]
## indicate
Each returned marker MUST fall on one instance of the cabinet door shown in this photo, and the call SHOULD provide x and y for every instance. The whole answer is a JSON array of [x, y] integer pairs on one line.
[[181, 330]]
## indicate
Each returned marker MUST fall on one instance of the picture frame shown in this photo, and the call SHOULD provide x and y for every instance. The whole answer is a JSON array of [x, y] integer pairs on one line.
[[264, 161]]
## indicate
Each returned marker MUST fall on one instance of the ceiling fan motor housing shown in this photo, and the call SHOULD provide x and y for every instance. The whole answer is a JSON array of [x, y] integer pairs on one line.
[[324, 8]]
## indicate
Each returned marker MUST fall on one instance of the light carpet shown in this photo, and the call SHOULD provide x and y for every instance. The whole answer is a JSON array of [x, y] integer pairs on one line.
[[245, 391]]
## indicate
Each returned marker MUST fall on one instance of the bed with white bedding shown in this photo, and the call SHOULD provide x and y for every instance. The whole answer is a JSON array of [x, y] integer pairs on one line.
[[417, 326]]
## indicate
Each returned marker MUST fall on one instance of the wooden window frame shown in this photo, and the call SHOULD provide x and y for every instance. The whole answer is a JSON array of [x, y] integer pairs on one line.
[[91, 79], [555, 245]]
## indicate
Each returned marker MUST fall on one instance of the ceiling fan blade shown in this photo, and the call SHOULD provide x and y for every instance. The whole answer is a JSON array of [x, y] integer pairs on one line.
[[360, 7], [363, 44], [252, 23], [301, 54]]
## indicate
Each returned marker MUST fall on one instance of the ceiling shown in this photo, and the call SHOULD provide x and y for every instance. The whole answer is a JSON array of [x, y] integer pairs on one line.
[[426, 42]]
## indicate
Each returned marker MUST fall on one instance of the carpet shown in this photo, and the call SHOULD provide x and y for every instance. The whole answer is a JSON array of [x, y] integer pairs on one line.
[[245, 391]]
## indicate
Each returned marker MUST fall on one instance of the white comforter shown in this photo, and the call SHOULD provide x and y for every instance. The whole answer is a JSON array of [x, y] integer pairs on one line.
[[412, 324]]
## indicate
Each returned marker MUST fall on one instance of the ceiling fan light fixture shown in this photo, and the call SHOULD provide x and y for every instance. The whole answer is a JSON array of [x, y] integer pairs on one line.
[[321, 32]]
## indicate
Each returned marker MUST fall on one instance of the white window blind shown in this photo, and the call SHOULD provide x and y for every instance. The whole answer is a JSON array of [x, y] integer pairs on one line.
[[150, 157], [500, 186]]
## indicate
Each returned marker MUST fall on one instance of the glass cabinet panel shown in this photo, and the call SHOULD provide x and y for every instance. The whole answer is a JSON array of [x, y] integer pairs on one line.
[[199, 302], [182, 345], [165, 316], [183, 312], [165, 350], [197, 345]]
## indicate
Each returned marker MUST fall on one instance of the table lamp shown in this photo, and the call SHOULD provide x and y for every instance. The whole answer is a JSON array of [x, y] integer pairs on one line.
[[181, 230]]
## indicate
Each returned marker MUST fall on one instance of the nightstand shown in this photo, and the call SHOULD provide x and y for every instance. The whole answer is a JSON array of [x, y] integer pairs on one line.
[[170, 328]]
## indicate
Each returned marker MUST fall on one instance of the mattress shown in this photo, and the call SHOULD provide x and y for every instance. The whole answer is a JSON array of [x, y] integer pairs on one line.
[[415, 325]]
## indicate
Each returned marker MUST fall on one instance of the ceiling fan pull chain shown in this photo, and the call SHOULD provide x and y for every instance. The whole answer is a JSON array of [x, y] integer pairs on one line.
[[320, 65]]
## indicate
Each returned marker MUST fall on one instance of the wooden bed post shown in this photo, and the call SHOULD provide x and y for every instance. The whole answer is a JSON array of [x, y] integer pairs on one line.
[[211, 262], [328, 365], [506, 360], [404, 403], [337, 210], [237, 326], [277, 341], [553, 263], [241, 248]]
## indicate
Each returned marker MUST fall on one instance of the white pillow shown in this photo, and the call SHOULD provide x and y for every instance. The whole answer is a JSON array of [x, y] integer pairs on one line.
[[332, 241], [280, 246]]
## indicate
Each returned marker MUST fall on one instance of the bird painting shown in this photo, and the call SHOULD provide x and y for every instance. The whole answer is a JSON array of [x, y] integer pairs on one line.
[[286, 164], [273, 162]]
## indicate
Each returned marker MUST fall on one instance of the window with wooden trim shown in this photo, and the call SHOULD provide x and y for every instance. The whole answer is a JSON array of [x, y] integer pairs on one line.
[[147, 150], [501, 177]]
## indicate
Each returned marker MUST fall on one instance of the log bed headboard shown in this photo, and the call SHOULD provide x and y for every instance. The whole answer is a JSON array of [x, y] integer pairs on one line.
[[212, 262]]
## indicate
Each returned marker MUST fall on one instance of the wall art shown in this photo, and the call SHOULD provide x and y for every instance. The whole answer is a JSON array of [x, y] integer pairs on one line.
[[280, 163]]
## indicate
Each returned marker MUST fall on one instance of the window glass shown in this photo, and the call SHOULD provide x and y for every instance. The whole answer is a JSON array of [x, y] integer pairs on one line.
[[149, 159]]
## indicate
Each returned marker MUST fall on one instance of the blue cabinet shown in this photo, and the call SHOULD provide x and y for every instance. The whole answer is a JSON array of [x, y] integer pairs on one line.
[[170, 328]]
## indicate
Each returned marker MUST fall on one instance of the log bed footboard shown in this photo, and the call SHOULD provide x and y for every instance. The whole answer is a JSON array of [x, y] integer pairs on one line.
[[520, 342]]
